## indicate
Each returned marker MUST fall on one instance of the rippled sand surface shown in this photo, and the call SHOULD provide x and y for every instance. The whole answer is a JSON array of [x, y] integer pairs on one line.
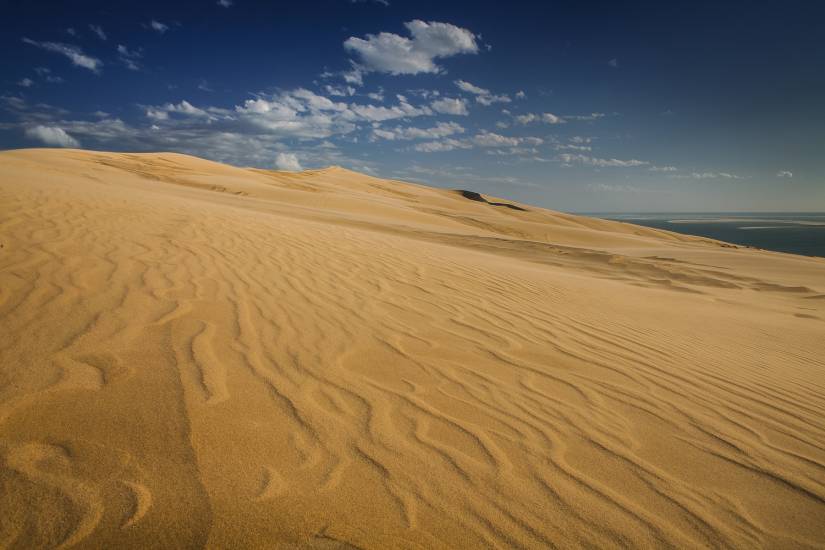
[[197, 355]]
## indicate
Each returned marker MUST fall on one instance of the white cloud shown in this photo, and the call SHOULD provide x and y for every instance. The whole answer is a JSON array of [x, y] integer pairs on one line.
[[490, 139], [129, 57], [395, 54], [784, 174], [46, 74], [521, 95], [339, 91], [98, 30], [568, 158], [663, 169], [158, 26], [240, 138], [483, 96], [548, 118], [287, 161], [25, 82], [52, 135], [490, 99], [183, 108], [157, 114], [74, 54], [441, 146], [485, 139], [450, 106], [423, 92], [378, 113], [355, 75], [709, 175], [471, 88], [186, 108], [225, 3], [591, 116], [614, 63], [299, 113], [440, 130]]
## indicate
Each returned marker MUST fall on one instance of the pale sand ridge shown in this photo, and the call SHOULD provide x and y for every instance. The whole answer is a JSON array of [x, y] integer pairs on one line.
[[198, 355]]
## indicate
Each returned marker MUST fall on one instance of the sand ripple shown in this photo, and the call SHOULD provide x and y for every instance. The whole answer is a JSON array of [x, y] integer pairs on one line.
[[197, 355]]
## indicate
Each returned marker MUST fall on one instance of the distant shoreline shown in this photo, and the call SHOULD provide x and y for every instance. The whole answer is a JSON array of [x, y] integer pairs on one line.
[[800, 233]]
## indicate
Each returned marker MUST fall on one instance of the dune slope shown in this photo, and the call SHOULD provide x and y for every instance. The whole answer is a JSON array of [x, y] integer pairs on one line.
[[197, 355]]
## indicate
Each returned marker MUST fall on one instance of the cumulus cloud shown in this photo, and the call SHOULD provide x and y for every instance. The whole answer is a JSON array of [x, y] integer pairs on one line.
[[287, 161], [354, 76], [395, 54], [614, 63], [226, 135], [547, 118], [440, 130], [483, 96], [51, 135], [25, 82], [784, 174], [490, 139], [74, 53], [441, 146], [485, 139], [98, 30], [450, 106], [339, 91], [298, 113], [471, 88], [550, 118], [568, 158], [225, 3], [184, 108], [378, 113]]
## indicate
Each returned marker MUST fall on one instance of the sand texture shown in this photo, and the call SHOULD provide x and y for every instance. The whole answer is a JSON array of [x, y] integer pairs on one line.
[[197, 355]]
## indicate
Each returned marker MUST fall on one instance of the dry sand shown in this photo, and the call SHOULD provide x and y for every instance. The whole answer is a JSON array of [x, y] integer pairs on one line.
[[193, 354]]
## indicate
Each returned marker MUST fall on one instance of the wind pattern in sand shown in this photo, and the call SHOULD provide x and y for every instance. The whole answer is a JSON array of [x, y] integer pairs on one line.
[[196, 355]]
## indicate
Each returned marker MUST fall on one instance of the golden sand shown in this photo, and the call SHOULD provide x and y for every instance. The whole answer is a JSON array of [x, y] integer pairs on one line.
[[193, 354]]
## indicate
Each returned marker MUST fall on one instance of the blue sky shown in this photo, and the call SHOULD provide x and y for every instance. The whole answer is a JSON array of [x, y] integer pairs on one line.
[[578, 106]]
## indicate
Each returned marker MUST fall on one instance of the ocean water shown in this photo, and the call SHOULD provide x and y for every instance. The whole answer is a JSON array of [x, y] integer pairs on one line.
[[783, 232]]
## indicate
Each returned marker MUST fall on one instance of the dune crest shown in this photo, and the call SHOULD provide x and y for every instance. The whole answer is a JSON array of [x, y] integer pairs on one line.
[[194, 354]]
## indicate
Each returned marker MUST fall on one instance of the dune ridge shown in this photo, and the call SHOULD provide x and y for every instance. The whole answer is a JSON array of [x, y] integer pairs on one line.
[[198, 355]]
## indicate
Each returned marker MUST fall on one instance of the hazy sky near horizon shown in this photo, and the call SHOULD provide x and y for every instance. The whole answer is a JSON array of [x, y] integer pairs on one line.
[[578, 106]]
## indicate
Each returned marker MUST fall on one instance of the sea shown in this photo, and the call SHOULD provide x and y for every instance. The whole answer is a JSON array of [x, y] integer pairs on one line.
[[796, 233]]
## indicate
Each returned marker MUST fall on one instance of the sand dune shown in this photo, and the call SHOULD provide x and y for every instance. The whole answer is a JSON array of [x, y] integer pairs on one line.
[[193, 354]]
